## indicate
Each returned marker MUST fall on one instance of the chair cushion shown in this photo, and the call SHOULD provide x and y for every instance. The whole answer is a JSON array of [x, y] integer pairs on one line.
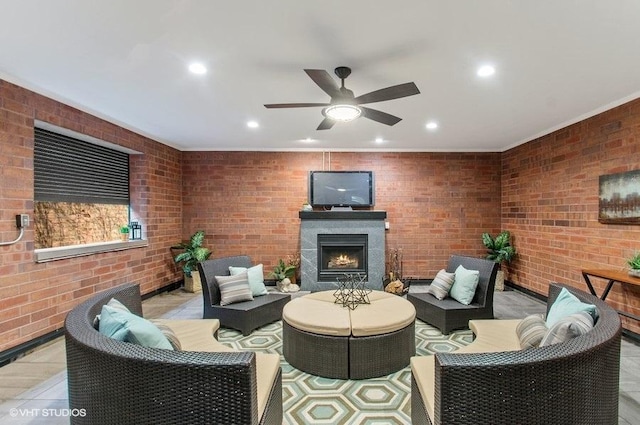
[[127, 327], [197, 335], [464, 285], [234, 289], [441, 284], [568, 327], [531, 330], [566, 304], [255, 276]]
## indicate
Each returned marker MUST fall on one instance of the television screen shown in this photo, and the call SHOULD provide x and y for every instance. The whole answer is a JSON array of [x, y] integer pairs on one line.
[[341, 188]]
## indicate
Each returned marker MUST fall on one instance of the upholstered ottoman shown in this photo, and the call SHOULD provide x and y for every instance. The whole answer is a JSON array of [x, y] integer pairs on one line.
[[326, 339]]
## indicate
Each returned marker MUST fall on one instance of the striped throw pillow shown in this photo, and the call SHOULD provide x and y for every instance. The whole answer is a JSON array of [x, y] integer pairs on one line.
[[441, 284], [531, 331], [234, 289], [568, 327], [168, 333]]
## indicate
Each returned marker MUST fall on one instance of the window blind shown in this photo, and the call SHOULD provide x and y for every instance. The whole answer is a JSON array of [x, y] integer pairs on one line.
[[71, 170]]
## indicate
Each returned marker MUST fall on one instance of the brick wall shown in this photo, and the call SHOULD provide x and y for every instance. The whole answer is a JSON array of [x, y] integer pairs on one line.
[[545, 192], [550, 203], [437, 203], [36, 297]]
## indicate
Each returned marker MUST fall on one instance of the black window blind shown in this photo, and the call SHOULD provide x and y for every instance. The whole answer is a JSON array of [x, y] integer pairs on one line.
[[71, 170]]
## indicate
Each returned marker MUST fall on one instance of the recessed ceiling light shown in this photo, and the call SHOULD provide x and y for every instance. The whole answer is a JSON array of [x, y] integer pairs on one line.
[[486, 71], [431, 125], [307, 140], [253, 124], [379, 140], [197, 68]]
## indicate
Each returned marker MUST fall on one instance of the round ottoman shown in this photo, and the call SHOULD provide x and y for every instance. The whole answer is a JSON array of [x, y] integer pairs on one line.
[[326, 339]]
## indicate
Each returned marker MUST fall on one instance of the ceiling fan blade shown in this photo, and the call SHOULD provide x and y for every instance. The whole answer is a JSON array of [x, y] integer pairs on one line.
[[381, 117], [389, 93], [325, 81], [326, 124], [293, 105]]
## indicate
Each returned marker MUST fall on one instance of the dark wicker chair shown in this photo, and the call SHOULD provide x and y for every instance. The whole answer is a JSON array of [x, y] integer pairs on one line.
[[243, 316], [448, 314], [120, 383], [572, 383]]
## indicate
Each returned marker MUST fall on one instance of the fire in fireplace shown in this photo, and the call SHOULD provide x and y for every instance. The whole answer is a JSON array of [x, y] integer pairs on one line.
[[340, 254]]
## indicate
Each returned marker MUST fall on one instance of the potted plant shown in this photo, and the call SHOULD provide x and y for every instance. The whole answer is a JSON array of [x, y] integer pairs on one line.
[[283, 272], [501, 251], [124, 233], [192, 253], [294, 261], [634, 264]]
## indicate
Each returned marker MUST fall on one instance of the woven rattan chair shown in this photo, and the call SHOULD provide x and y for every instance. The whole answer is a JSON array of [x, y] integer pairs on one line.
[[575, 382], [448, 314], [243, 316], [121, 383]]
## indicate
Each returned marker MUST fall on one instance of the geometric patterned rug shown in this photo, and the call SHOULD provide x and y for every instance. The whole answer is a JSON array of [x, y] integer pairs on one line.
[[309, 399]]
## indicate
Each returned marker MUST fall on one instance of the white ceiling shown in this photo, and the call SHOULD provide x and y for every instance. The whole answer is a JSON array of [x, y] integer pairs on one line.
[[557, 62]]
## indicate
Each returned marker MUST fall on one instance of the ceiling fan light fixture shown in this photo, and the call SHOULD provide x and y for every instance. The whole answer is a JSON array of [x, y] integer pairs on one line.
[[342, 112]]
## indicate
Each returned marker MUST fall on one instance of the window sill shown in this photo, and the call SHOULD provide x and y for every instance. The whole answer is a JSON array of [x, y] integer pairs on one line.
[[63, 252]]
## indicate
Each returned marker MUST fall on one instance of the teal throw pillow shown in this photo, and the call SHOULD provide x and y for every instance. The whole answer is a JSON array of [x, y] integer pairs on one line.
[[464, 285], [127, 327], [567, 304], [255, 276]]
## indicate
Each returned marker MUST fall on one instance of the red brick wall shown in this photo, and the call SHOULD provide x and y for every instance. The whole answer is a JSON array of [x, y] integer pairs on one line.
[[437, 203], [35, 298], [550, 203], [248, 202]]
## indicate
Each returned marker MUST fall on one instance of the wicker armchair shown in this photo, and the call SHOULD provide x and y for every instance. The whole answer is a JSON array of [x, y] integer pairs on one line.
[[243, 316], [448, 314], [575, 382], [121, 383]]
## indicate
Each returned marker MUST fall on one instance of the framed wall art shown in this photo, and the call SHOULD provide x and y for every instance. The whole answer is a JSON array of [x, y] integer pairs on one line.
[[620, 198]]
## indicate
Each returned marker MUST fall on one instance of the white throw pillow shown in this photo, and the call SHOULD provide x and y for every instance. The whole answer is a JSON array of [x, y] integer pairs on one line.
[[464, 285], [255, 275]]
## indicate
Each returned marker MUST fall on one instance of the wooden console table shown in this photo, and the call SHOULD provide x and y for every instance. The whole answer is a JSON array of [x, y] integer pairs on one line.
[[613, 276]]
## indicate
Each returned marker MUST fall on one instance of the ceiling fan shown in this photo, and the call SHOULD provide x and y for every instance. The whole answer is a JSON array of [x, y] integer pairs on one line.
[[343, 105]]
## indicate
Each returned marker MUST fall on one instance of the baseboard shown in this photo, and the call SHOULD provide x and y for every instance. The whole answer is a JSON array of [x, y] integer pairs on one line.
[[14, 353], [526, 291]]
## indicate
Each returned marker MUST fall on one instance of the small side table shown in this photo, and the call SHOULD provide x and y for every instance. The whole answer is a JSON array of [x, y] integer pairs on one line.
[[612, 276]]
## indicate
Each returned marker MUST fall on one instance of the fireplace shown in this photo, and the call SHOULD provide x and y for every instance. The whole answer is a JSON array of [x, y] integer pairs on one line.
[[340, 254], [360, 234]]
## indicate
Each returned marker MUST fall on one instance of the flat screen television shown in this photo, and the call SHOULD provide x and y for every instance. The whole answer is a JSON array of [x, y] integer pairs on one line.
[[341, 188]]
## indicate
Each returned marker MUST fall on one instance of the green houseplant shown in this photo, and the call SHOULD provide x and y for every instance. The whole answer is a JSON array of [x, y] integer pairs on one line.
[[124, 233], [192, 253], [283, 273], [634, 264], [500, 250]]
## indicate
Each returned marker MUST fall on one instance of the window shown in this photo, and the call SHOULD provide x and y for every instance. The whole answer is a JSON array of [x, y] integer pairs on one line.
[[81, 189]]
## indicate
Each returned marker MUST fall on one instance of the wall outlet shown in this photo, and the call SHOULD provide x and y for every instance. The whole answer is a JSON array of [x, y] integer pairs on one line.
[[22, 220]]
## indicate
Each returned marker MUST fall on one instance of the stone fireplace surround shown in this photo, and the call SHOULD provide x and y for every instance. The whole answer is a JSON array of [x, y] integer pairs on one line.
[[313, 223]]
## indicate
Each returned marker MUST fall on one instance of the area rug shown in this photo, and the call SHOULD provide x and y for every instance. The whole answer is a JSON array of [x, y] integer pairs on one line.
[[309, 399]]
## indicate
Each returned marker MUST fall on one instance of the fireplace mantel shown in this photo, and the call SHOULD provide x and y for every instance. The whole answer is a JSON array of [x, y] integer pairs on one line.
[[359, 222], [343, 215]]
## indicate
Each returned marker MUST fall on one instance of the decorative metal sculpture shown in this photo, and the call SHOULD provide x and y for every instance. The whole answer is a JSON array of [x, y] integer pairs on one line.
[[352, 290]]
